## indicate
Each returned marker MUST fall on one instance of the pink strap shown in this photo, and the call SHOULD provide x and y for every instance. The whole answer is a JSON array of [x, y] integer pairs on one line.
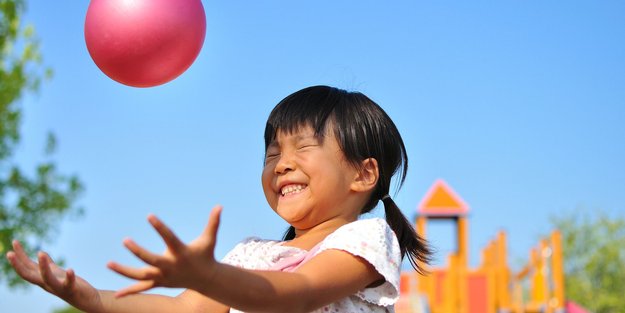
[[291, 264]]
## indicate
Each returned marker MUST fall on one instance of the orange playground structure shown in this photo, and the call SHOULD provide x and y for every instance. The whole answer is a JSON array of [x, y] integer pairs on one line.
[[492, 287]]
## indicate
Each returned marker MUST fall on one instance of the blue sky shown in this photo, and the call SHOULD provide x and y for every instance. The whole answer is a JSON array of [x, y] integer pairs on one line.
[[518, 105]]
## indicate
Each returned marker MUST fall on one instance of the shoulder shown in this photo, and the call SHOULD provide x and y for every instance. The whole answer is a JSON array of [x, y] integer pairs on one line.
[[374, 241], [366, 232], [369, 224]]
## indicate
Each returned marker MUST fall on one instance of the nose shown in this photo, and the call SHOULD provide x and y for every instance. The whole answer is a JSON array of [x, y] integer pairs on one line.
[[285, 164]]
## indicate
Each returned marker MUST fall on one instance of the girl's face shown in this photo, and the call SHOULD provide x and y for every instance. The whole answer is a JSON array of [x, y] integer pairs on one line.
[[307, 180]]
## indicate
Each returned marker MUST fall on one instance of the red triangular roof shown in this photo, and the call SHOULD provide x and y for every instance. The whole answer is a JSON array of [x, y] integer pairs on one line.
[[441, 200]]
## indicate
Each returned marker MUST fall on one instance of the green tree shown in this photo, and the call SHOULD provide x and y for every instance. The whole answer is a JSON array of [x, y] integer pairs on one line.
[[593, 244], [31, 202]]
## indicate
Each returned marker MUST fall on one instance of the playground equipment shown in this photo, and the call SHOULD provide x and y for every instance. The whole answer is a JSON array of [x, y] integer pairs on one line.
[[492, 287]]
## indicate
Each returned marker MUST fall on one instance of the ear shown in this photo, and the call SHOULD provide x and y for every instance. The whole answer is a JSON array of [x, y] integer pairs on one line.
[[367, 177]]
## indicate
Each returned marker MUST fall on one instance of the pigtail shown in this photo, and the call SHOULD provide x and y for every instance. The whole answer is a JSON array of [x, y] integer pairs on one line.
[[410, 243]]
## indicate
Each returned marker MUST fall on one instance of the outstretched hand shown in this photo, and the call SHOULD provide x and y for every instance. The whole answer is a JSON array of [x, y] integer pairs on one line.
[[180, 266], [55, 280]]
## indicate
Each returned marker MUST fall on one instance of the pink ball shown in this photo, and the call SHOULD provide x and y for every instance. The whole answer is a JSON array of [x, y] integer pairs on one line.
[[144, 43]]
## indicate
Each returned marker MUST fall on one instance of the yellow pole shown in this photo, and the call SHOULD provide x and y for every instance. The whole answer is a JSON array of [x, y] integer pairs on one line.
[[424, 282], [421, 223], [535, 281], [503, 274], [491, 292], [545, 254], [557, 270], [463, 240], [463, 256]]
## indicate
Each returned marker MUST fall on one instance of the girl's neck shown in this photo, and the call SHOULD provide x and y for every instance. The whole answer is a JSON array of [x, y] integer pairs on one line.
[[308, 238]]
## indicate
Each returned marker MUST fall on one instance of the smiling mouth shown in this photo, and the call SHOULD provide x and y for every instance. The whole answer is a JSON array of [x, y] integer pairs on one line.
[[292, 189]]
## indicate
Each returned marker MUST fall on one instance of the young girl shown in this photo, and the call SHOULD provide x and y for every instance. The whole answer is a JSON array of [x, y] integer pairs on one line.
[[329, 157]]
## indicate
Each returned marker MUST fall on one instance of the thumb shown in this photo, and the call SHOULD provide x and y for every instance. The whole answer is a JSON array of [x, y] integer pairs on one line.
[[210, 232]]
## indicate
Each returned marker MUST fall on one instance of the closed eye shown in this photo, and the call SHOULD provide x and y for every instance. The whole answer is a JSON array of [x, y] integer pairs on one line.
[[307, 143], [305, 146], [270, 156]]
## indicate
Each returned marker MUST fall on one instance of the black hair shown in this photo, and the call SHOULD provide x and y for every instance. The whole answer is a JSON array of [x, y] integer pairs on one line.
[[363, 130]]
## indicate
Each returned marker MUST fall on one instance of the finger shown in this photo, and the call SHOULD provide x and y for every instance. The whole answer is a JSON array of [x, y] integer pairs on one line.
[[70, 279], [21, 256], [213, 225], [23, 270], [146, 273], [46, 273], [17, 247], [15, 262], [171, 240], [142, 253], [136, 288]]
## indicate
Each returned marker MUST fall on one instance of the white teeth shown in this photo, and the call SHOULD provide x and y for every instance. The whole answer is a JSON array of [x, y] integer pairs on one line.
[[291, 189]]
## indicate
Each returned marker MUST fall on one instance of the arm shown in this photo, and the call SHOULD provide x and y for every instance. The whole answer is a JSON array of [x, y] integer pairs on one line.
[[328, 277], [187, 301], [79, 293]]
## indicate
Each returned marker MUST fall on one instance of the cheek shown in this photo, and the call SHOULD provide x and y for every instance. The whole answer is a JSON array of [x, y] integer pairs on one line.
[[267, 182]]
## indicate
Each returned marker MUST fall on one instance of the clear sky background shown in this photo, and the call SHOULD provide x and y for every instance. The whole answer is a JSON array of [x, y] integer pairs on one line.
[[518, 105]]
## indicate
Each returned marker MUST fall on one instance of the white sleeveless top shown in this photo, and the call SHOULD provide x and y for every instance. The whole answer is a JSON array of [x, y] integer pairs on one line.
[[371, 239]]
